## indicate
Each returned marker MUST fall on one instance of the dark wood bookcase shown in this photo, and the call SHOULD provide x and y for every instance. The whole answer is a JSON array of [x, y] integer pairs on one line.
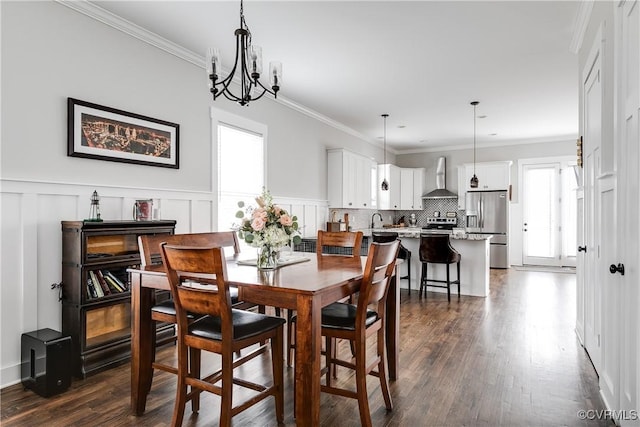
[[98, 254]]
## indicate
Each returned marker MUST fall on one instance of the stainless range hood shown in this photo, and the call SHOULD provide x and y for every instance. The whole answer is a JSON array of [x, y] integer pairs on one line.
[[441, 191]]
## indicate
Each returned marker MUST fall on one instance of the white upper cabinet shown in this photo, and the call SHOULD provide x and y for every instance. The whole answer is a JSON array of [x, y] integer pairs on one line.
[[411, 188], [463, 184], [405, 188], [418, 188], [491, 176], [349, 180], [389, 199]]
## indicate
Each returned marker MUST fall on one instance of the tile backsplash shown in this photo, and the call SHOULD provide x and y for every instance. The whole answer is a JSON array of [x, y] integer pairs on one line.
[[361, 218]]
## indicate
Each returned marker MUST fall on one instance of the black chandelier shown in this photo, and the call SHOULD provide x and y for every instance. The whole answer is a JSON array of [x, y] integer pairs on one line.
[[248, 63]]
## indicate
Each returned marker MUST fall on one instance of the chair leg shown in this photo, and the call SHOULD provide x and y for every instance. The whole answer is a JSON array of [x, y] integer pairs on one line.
[[329, 354], [382, 371], [194, 369], [458, 268], [361, 383], [290, 337], [448, 285], [277, 349], [181, 389], [408, 273], [423, 279], [226, 398]]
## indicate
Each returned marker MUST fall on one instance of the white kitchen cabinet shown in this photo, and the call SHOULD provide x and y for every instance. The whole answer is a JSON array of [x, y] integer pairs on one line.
[[389, 199], [349, 180], [406, 188], [418, 188], [491, 176], [411, 188], [462, 187]]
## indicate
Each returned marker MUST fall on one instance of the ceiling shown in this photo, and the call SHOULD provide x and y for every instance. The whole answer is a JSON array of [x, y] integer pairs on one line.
[[422, 62]]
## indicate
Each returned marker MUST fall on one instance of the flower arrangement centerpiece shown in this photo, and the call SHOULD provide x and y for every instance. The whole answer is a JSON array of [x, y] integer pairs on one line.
[[267, 227]]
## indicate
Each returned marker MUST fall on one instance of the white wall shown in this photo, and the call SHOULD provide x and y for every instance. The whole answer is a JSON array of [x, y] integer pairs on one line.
[[51, 52]]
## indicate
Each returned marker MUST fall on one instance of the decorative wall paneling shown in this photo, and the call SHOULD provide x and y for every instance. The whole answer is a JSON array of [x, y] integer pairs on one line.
[[30, 251]]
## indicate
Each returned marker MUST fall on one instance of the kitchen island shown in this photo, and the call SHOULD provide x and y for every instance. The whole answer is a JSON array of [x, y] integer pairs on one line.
[[474, 262]]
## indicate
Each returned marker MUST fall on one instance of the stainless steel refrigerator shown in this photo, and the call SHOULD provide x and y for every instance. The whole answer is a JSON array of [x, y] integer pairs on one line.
[[487, 212]]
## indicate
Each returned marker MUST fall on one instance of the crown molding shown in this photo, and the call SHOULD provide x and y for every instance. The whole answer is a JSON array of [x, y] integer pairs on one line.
[[529, 141], [127, 27], [580, 25], [114, 21]]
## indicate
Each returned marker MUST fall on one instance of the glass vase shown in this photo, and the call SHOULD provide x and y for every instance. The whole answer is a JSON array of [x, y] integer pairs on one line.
[[267, 258]]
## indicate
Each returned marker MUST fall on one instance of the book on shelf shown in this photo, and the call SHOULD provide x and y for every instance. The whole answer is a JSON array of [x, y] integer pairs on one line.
[[103, 283], [115, 287], [119, 282], [96, 284], [91, 290], [112, 288]]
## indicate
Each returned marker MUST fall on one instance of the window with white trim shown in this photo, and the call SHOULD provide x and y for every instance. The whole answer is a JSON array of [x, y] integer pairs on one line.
[[241, 164]]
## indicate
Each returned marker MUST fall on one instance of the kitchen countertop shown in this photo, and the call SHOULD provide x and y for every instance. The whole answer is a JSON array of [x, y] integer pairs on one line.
[[414, 232]]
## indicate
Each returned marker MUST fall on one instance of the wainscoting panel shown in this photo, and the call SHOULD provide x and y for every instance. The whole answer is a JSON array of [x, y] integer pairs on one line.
[[31, 244], [180, 210]]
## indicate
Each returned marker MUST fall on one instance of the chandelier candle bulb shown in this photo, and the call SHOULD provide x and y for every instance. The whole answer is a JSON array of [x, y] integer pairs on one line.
[[256, 61], [275, 70]]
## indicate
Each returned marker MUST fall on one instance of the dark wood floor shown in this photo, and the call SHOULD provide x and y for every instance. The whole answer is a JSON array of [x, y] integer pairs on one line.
[[511, 359]]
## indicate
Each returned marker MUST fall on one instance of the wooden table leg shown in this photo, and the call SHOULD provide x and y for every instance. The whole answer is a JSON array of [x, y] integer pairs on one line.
[[307, 361], [393, 326], [141, 344]]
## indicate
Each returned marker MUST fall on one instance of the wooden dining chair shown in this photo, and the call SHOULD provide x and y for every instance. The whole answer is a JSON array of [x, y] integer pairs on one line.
[[358, 322], [344, 243], [164, 310], [197, 277]]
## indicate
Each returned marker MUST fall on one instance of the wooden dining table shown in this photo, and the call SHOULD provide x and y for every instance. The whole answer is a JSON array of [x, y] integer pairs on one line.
[[305, 286]]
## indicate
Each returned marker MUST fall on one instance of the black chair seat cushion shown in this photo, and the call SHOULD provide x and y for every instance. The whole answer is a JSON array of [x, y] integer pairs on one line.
[[245, 324], [342, 316]]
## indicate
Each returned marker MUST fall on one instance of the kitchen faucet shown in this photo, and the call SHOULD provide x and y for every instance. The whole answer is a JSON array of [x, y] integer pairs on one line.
[[373, 216]]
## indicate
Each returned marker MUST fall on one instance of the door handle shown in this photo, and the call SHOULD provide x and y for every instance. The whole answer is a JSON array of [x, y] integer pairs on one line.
[[582, 249], [613, 269]]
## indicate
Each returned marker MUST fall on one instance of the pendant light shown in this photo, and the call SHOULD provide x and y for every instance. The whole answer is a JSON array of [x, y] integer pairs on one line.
[[474, 178], [385, 183]]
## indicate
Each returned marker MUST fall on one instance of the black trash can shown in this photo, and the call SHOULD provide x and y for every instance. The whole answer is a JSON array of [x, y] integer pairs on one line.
[[46, 362]]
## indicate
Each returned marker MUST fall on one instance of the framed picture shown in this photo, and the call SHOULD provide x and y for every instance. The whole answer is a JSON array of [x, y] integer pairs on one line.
[[98, 132]]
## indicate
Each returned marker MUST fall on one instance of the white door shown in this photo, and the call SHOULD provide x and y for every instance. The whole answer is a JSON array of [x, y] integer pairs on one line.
[[609, 373], [549, 212], [580, 267], [540, 214], [592, 111], [620, 380]]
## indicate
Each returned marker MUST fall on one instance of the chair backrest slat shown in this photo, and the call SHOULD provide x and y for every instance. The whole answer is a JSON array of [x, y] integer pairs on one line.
[[197, 278], [339, 239], [149, 245]]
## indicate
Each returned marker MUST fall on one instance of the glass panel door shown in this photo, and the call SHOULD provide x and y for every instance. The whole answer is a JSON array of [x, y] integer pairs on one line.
[[541, 207]]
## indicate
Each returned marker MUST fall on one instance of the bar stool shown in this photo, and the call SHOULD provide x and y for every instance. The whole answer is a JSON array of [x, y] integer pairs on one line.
[[436, 249], [390, 236]]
